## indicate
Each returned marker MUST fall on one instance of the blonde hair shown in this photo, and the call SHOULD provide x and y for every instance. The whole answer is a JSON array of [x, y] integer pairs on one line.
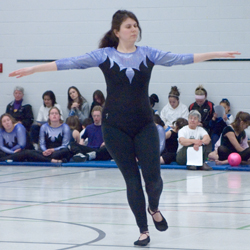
[[200, 91], [61, 121], [96, 108]]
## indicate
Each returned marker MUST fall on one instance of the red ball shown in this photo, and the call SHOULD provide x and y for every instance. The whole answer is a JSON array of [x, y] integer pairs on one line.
[[234, 159]]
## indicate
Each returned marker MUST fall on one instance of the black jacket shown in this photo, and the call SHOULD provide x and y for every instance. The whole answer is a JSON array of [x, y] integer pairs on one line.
[[23, 114]]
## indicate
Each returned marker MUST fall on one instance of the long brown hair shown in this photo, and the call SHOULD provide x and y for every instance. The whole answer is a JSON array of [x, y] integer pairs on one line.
[[74, 122], [100, 95], [80, 98], [110, 39], [241, 116]]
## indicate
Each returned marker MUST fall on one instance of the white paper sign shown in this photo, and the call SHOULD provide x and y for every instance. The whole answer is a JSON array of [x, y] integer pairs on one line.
[[219, 110], [194, 158]]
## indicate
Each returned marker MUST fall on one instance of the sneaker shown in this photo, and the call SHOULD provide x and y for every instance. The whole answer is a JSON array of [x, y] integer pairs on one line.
[[191, 167], [80, 157], [91, 155], [206, 167]]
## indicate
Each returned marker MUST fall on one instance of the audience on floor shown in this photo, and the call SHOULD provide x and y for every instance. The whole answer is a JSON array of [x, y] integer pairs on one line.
[[201, 127]]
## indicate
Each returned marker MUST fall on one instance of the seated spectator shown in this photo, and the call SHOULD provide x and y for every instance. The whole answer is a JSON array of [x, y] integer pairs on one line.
[[12, 137], [231, 138], [75, 128], [154, 99], [19, 110], [77, 104], [98, 100], [85, 123], [213, 156], [203, 106], [161, 131], [49, 101], [54, 139], [217, 124], [192, 135], [174, 109], [95, 150], [171, 144]]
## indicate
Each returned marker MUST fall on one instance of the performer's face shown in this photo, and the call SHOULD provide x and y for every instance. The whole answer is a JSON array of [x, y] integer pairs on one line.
[[54, 115], [7, 123], [128, 31], [243, 125]]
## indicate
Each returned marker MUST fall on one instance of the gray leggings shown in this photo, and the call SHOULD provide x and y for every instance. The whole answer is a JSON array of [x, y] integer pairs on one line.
[[127, 145]]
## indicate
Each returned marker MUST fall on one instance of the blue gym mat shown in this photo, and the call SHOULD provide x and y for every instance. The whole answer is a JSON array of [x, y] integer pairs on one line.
[[45, 164], [112, 164]]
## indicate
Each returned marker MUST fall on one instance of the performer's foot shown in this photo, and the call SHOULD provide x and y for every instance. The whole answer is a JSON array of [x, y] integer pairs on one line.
[[159, 221], [217, 162], [80, 157], [143, 240], [56, 161]]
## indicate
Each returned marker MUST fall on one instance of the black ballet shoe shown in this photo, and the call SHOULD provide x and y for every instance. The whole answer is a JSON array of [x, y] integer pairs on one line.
[[144, 242], [161, 225]]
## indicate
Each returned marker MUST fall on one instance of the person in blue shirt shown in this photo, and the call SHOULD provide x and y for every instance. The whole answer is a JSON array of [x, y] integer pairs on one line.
[[95, 149], [217, 124], [53, 139], [127, 119], [12, 136]]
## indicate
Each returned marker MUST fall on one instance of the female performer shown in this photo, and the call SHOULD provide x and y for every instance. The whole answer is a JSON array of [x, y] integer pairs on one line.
[[232, 137], [49, 101], [128, 127], [12, 136], [54, 138]]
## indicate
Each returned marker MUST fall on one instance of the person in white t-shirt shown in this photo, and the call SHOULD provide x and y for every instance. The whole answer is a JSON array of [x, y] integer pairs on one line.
[[194, 136], [174, 109]]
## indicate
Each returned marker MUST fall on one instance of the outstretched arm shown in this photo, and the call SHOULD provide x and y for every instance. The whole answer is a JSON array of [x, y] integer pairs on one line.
[[34, 69], [200, 57]]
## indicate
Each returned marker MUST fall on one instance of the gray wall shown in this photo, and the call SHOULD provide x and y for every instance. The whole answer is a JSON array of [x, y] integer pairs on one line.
[[31, 29]]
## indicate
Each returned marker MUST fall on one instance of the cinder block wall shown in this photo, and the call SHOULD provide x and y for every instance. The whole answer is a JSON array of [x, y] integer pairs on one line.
[[61, 28]]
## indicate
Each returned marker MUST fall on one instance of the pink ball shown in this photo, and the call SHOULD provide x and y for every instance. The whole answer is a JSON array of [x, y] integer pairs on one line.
[[234, 159]]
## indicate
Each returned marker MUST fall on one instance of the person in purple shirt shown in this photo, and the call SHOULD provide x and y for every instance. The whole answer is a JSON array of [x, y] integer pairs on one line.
[[95, 149], [127, 119], [20, 110]]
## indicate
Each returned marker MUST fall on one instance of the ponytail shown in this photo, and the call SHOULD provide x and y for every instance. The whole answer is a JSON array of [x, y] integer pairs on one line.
[[109, 40]]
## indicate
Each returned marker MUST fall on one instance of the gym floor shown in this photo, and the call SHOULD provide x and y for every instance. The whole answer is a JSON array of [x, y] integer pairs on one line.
[[86, 208]]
